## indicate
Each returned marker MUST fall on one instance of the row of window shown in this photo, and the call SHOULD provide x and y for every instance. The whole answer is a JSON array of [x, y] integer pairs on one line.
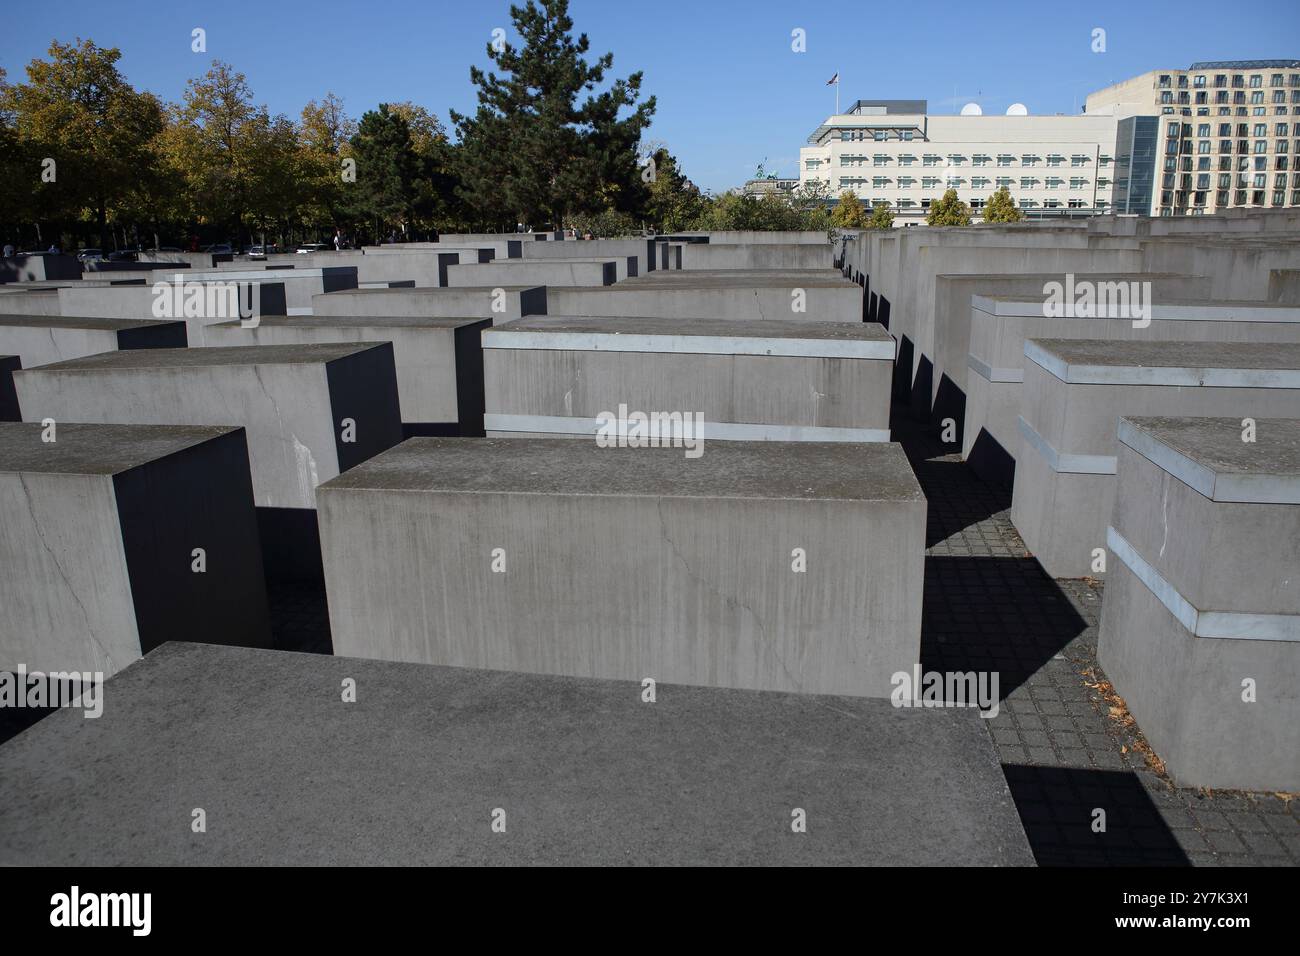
[[1223, 98], [1227, 129], [1240, 197], [1229, 111], [1225, 181], [954, 159], [977, 182], [1186, 147], [1238, 80], [903, 204], [1225, 164]]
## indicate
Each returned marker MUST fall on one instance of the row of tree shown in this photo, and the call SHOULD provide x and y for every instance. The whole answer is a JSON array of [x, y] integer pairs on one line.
[[87, 158], [849, 213]]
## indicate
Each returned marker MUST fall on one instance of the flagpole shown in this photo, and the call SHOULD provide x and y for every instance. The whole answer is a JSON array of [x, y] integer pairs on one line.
[[837, 92]]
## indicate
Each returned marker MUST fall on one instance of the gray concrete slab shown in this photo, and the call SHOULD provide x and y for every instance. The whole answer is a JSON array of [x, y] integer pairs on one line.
[[439, 361], [952, 319], [744, 381], [98, 531], [498, 303], [804, 297], [547, 272], [299, 284], [1074, 393], [714, 255], [292, 400], [29, 301], [411, 773], [632, 562], [1000, 325], [1200, 629], [42, 339]]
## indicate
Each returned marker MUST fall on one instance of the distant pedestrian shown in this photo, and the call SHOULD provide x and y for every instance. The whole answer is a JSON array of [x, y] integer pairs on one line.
[[9, 250], [338, 240], [54, 248]]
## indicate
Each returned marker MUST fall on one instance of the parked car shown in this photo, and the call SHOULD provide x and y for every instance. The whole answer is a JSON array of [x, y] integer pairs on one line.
[[90, 254], [124, 255], [308, 247], [220, 249]]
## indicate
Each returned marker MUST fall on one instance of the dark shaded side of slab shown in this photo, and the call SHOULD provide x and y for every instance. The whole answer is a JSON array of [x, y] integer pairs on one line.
[[160, 335], [471, 401], [363, 387], [9, 411], [412, 771], [197, 497]]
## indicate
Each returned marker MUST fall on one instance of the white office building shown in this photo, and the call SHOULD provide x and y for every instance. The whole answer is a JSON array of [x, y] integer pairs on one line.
[[893, 151]]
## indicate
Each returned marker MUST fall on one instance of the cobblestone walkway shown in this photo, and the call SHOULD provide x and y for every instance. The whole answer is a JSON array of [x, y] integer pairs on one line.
[[989, 606]]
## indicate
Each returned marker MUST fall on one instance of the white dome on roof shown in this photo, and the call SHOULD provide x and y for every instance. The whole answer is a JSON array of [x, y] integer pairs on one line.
[[1017, 109], [972, 109]]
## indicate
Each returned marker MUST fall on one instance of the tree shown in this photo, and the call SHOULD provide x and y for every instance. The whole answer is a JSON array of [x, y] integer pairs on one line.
[[673, 202], [77, 110], [881, 217], [434, 202], [1000, 208], [228, 149], [849, 212], [532, 151], [386, 169], [949, 211], [324, 133]]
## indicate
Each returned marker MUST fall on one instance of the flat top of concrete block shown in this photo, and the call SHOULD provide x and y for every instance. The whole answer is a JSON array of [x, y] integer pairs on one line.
[[305, 354], [416, 322], [1220, 310], [411, 774], [81, 449], [721, 328], [263, 275], [437, 290], [1182, 355], [82, 322], [871, 471], [1210, 455], [666, 281]]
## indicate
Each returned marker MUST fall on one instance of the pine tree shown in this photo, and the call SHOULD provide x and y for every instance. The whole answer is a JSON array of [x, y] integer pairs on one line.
[[386, 169], [533, 152]]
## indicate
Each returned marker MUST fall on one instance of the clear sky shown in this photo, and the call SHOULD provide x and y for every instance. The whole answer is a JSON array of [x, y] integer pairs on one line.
[[731, 91]]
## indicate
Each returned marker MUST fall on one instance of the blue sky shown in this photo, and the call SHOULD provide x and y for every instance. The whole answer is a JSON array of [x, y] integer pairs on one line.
[[731, 92]]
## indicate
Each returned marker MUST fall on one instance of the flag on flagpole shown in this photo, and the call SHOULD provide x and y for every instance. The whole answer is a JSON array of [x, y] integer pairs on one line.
[[834, 79]]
